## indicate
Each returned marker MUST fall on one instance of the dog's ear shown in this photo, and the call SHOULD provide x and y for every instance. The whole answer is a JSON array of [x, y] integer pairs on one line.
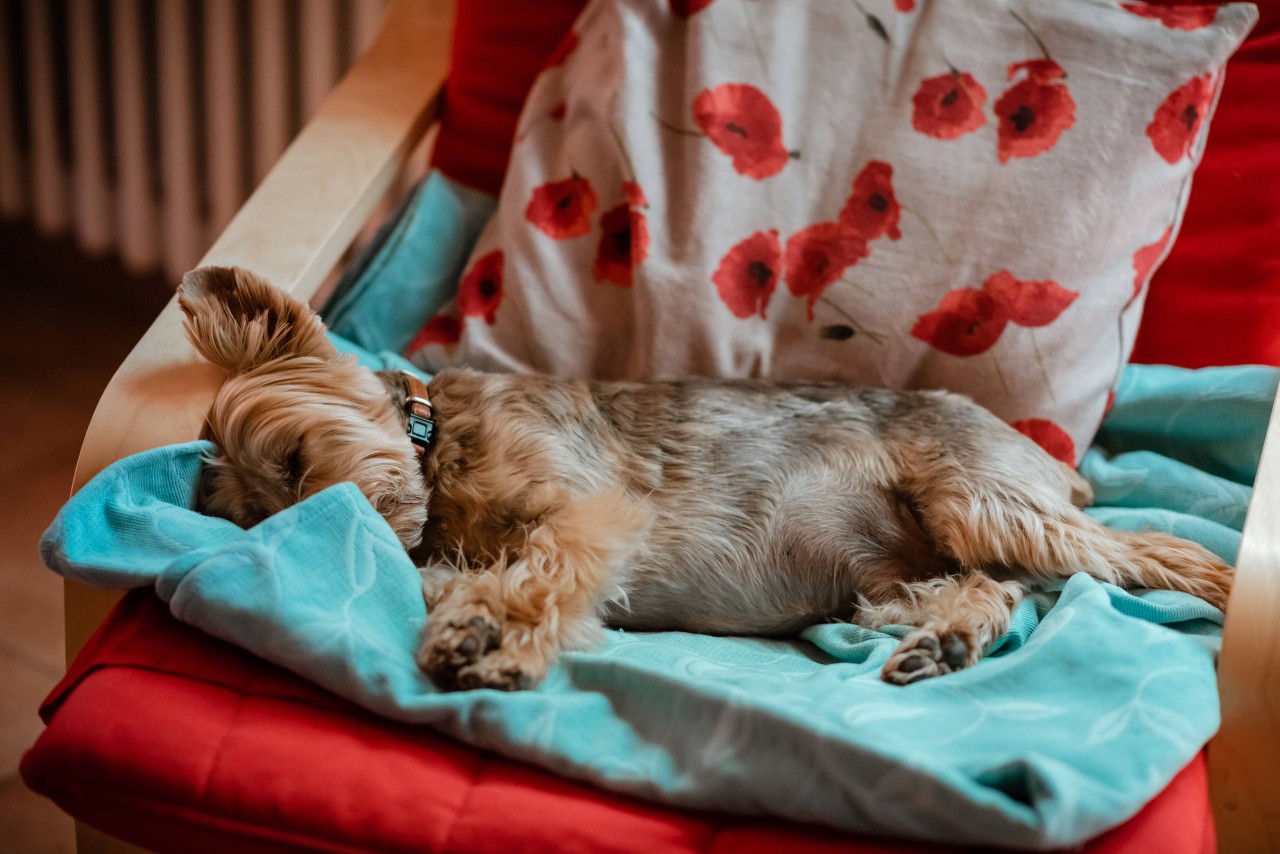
[[239, 321]]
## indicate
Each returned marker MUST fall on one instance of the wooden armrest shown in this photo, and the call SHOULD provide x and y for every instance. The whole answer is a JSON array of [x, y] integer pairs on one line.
[[291, 231], [1244, 782]]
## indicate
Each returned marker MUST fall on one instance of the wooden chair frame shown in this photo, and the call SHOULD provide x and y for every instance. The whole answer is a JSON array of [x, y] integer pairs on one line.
[[310, 207]]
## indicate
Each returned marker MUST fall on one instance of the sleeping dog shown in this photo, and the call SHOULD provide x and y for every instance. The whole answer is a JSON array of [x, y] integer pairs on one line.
[[541, 509]]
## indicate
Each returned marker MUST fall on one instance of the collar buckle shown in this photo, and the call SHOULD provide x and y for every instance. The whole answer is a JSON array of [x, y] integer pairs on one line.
[[421, 431], [418, 410]]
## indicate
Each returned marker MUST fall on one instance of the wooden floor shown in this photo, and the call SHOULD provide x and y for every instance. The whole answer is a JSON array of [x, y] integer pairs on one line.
[[66, 322]]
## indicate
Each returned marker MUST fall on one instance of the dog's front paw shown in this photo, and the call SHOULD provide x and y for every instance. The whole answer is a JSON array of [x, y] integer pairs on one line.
[[500, 670], [923, 654], [456, 643]]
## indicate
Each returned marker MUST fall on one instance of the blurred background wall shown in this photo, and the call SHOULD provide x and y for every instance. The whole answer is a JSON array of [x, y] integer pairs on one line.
[[136, 128]]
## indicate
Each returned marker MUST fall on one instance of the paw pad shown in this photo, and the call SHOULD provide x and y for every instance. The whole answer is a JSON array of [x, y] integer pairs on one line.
[[457, 644], [924, 654], [500, 677]]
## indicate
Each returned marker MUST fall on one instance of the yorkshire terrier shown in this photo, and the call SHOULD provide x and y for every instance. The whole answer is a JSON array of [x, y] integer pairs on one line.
[[541, 509]]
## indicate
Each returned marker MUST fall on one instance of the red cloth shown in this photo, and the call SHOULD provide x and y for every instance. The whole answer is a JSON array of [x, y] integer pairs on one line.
[[175, 741], [505, 44], [1216, 299]]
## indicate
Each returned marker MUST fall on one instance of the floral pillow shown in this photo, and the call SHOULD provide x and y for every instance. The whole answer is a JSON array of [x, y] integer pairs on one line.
[[969, 194]]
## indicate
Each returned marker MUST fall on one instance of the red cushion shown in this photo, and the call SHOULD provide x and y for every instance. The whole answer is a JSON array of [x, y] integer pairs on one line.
[[498, 48], [173, 740], [1216, 299]]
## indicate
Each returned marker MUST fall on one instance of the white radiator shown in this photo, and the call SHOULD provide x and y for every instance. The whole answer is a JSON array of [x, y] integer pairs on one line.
[[140, 126]]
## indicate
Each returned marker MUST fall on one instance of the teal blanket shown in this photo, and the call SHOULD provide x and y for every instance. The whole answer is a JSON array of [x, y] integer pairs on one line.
[[1081, 714]]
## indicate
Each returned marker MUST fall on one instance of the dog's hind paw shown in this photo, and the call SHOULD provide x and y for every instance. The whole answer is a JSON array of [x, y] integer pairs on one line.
[[923, 654], [454, 645]]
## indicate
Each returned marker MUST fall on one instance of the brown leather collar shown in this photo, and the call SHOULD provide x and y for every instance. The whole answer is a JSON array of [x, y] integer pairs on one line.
[[417, 407]]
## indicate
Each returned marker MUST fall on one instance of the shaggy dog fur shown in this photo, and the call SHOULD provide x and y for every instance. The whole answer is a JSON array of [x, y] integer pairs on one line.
[[548, 507]]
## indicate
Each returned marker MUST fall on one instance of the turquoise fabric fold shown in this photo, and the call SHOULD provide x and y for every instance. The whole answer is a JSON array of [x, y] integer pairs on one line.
[[1081, 714], [411, 267]]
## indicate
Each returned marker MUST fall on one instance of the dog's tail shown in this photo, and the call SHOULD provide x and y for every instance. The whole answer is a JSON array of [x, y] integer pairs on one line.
[[1128, 559], [1005, 505], [1057, 542]]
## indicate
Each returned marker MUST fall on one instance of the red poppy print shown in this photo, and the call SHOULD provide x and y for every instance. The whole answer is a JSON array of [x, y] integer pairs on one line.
[[741, 121], [685, 8], [441, 329], [480, 290], [817, 255], [967, 322], [1049, 436], [904, 5], [1177, 120], [633, 195], [748, 274], [1029, 303], [566, 46], [1175, 17], [949, 105], [624, 243], [1034, 112], [561, 209], [1144, 261], [872, 210]]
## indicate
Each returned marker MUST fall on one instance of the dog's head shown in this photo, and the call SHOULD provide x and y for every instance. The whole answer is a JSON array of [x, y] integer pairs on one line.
[[294, 416]]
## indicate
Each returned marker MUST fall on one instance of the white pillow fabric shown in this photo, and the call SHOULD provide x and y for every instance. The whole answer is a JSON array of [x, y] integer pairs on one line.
[[970, 194]]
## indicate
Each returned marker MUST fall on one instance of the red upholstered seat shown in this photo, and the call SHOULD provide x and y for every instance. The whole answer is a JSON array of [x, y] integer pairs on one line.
[[176, 741], [179, 742]]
